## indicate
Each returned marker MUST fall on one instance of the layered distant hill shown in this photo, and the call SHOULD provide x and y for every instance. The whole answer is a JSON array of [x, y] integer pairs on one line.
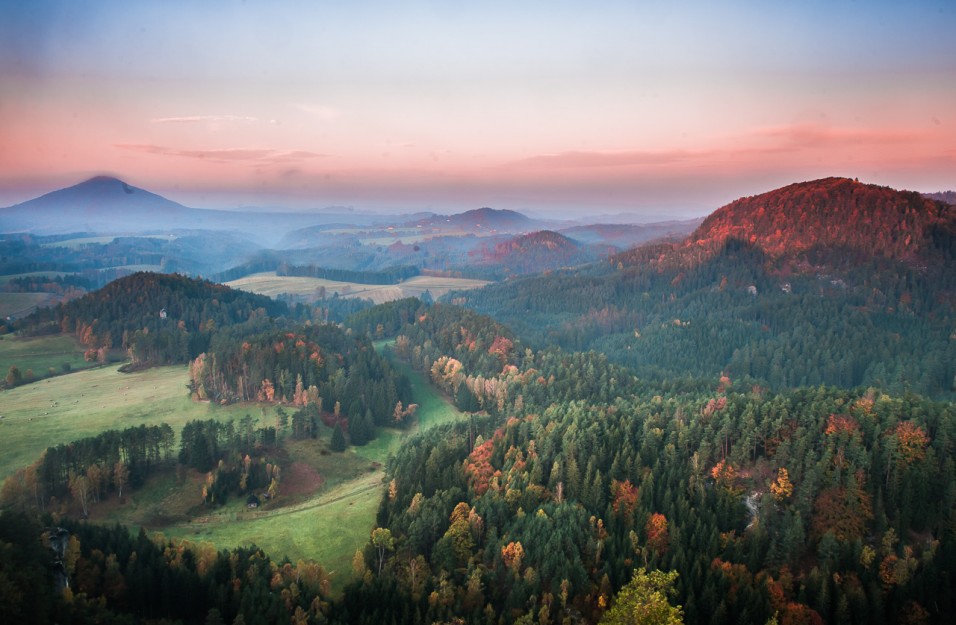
[[624, 236], [481, 221], [537, 251], [949, 197], [100, 204], [109, 205]]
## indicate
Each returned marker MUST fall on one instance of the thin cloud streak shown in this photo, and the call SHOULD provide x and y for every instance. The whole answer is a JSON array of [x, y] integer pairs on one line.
[[576, 159], [822, 135], [787, 139], [226, 155], [196, 119]]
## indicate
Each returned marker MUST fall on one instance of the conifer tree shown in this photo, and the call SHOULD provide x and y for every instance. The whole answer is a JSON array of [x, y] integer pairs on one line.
[[338, 439]]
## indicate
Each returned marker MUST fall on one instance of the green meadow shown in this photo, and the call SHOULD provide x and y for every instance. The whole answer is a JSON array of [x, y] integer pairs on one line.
[[69, 407], [327, 502], [40, 354]]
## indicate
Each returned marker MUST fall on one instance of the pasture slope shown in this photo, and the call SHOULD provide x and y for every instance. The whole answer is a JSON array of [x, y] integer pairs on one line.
[[329, 500], [40, 354], [331, 525], [70, 407]]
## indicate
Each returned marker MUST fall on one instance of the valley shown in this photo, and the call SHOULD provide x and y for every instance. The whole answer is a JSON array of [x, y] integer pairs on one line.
[[328, 502], [487, 313], [765, 403]]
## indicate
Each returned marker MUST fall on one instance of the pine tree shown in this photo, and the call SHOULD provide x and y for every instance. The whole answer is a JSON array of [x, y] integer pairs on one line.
[[338, 439]]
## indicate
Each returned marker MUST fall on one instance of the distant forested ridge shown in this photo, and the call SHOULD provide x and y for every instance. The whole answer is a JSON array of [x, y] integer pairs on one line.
[[831, 282], [817, 505], [271, 261], [158, 318], [759, 417]]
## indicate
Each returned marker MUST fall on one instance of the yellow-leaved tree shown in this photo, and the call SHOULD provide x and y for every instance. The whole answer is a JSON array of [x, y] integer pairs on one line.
[[645, 601]]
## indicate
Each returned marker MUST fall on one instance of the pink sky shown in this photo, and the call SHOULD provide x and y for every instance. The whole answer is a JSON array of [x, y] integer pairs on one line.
[[553, 107]]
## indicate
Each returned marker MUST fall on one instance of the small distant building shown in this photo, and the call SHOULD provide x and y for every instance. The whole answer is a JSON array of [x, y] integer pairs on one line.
[[162, 313], [252, 502]]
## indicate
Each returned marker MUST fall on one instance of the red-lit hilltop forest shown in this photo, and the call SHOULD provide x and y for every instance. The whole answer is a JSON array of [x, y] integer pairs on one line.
[[755, 424], [825, 282], [834, 220]]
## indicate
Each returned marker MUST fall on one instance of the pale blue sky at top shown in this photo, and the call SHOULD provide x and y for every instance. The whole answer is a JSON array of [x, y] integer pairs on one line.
[[558, 106]]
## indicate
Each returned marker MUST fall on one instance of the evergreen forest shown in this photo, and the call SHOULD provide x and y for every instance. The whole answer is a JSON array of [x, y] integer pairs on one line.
[[755, 425]]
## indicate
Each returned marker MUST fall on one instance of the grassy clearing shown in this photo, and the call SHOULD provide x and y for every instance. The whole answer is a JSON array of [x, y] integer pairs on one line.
[[18, 305], [328, 528], [268, 283], [70, 407], [433, 409], [324, 516], [40, 354]]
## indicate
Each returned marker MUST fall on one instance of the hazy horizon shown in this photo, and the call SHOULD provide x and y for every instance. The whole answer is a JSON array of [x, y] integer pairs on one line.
[[558, 109]]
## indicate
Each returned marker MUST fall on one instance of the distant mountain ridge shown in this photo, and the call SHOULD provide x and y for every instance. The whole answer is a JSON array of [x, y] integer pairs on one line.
[[481, 220], [98, 204], [628, 235], [948, 197], [104, 204]]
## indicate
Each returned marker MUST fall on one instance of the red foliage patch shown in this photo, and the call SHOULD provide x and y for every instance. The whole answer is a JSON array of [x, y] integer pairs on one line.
[[300, 479], [839, 423], [329, 419]]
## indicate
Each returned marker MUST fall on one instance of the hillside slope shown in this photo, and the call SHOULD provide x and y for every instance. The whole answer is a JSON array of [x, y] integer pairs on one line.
[[835, 213], [829, 282]]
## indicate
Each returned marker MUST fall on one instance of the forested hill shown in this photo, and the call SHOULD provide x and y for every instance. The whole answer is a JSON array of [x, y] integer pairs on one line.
[[309, 366], [161, 317], [535, 252], [480, 219], [878, 314], [852, 218]]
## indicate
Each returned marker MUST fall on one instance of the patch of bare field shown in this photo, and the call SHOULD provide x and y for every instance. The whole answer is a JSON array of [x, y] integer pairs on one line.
[[268, 283]]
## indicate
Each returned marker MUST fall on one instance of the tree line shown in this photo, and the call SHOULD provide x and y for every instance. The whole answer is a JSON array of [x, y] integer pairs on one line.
[[116, 577], [155, 318], [91, 468]]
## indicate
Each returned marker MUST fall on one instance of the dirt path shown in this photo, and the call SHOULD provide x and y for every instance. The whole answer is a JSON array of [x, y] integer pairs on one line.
[[373, 482]]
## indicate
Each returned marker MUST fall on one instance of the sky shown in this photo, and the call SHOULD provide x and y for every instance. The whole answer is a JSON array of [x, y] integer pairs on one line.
[[563, 108]]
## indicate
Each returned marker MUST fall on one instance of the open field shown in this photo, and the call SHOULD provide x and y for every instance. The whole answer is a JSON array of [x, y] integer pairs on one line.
[[40, 354], [70, 407], [18, 305], [328, 500], [268, 283], [329, 526]]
